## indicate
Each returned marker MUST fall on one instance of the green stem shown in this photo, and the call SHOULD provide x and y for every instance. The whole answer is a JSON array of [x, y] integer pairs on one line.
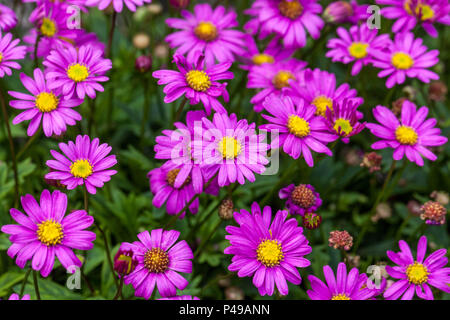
[[108, 252], [36, 285], [11, 148], [119, 289], [24, 282], [287, 174], [180, 110], [111, 35], [205, 241], [28, 144], [91, 115], [146, 109]]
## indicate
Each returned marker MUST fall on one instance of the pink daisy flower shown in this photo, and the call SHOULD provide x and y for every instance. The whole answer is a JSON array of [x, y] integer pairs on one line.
[[318, 88], [254, 57], [272, 78], [44, 104], [196, 82], [77, 72], [159, 262], [9, 51], [289, 18], [230, 147], [208, 30], [353, 46], [407, 57], [269, 250], [299, 129], [411, 136], [116, 4], [15, 296], [181, 298], [45, 231], [408, 13], [416, 275], [351, 286], [8, 19], [84, 162]]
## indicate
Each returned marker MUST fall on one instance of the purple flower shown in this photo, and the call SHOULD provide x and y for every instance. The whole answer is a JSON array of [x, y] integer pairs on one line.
[[159, 261], [351, 286], [417, 275], [288, 19], [77, 72], [116, 4], [407, 57], [15, 296], [407, 13], [274, 52], [9, 51], [272, 78], [230, 147], [125, 261], [344, 119], [181, 298], [44, 104], [411, 136], [8, 19], [45, 232], [162, 185], [339, 12], [84, 162], [318, 88], [196, 82], [208, 30], [301, 199], [354, 46], [299, 129], [269, 250]]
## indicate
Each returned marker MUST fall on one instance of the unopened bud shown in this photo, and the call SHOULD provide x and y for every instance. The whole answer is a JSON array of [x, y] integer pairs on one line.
[[437, 91], [433, 213], [338, 12], [372, 160], [440, 196], [143, 64], [311, 220], [141, 41], [340, 240], [124, 261], [179, 4], [234, 293], [226, 209]]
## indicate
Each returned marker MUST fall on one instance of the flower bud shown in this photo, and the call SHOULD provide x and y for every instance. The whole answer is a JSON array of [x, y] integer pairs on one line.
[[161, 50], [179, 4], [154, 8], [413, 207], [372, 160], [440, 196], [226, 209], [311, 220], [124, 261], [234, 293], [397, 106], [433, 213], [338, 12], [437, 91], [143, 64], [340, 240], [141, 41]]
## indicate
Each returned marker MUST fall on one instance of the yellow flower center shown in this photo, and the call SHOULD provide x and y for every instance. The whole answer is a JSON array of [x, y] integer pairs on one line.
[[127, 259], [406, 135], [280, 80], [1, 57], [270, 253], [156, 260], [78, 72], [424, 10], [46, 102], [402, 60], [198, 80], [340, 296], [291, 9], [48, 27], [206, 31], [358, 50], [344, 125], [81, 168], [229, 147], [261, 58], [417, 273], [50, 232], [298, 126], [322, 103]]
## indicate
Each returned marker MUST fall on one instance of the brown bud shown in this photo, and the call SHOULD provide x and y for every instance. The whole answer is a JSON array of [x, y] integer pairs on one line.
[[340, 240], [141, 41], [440, 196], [372, 160], [226, 209], [234, 293], [437, 91], [413, 207], [433, 212], [397, 106]]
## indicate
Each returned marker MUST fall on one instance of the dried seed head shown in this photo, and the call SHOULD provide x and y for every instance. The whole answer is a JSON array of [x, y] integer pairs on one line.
[[340, 240], [226, 209], [433, 212]]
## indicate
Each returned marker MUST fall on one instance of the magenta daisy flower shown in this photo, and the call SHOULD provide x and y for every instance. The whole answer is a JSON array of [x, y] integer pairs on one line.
[[289, 18], [407, 57], [269, 250], [196, 82], [177, 145], [77, 72], [84, 162], [301, 199], [411, 136], [318, 88], [408, 13], [44, 104], [162, 185], [9, 51], [272, 78], [417, 275], [159, 262], [344, 119], [353, 46], [116, 4], [45, 231], [230, 147], [299, 129], [208, 30], [8, 19], [339, 12], [15, 296], [351, 286], [254, 57]]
